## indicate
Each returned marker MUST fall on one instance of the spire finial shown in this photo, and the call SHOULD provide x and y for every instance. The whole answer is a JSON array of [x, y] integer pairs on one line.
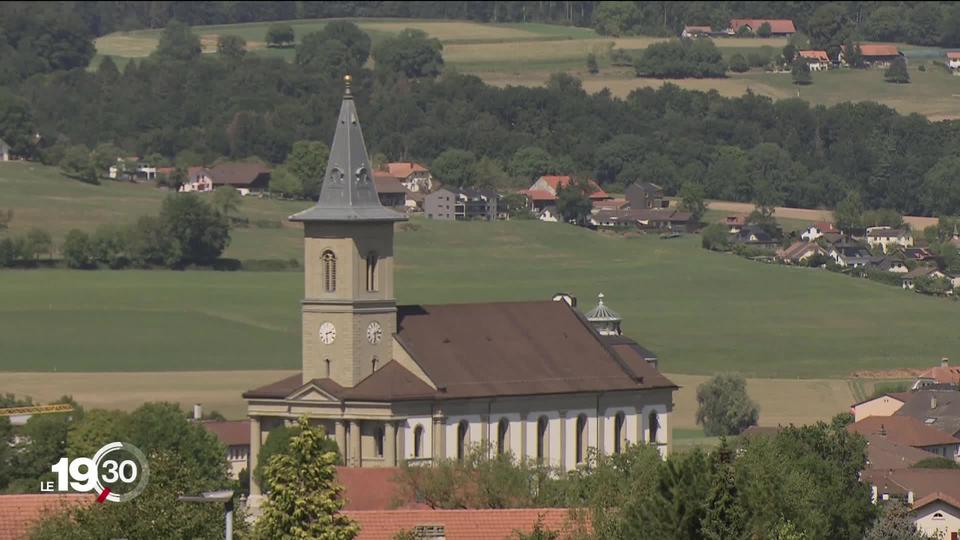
[[600, 299], [346, 83]]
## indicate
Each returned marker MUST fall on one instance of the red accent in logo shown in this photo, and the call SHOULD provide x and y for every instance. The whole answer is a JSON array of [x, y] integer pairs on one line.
[[103, 495]]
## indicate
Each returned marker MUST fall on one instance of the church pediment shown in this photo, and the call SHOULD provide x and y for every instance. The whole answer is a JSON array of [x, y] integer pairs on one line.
[[313, 392]]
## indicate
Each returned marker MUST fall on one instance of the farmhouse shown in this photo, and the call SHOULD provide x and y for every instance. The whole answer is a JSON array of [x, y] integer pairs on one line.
[[876, 54], [817, 60], [390, 189], [543, 192], [778, 27], [198, 180], [461, 204], [645, 195], [908, 280], [4, 151], [610, 204], [696, 31], [245, 177], [888, 236], [953, 60], [817, 230], [799, 251], [416, 383], [414, 176], [646, 219], [735, 222]]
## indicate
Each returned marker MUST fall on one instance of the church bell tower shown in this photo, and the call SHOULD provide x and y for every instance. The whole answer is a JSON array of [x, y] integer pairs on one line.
[[349, 308]]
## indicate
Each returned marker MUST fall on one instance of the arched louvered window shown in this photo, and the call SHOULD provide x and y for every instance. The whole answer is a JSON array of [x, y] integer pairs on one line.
[[542, 442], [503, 428], [581, 438], [653, 427], [329, 265], [418, 441], [463, 439], [619, 432], [372, 271]]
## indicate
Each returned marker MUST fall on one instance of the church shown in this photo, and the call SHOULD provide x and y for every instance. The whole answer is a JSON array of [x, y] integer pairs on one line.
[[394, 384]]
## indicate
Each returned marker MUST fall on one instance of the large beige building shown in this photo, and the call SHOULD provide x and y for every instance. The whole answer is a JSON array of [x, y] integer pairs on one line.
[[417, 383]]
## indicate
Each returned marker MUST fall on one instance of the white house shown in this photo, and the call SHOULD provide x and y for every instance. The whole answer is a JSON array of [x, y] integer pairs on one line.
[[888, 236], [953, 61], [817, 60], [549, 214], [4, 151], [198, 180], [817, 230]]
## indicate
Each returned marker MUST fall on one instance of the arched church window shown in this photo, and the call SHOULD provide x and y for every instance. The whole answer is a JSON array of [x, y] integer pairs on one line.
[[581, 438], [372, 271], [619, 432], [375, 363], [328, 367], [503, 427], [378, 437], [653, 427], [463, 439], [542, 442], [418, 441], [329, 266]]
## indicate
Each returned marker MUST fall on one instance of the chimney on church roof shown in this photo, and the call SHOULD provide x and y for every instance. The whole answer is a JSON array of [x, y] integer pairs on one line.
[[348, 192]]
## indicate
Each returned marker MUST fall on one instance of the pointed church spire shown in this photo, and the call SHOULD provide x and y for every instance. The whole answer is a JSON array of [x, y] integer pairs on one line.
[[348, 192]]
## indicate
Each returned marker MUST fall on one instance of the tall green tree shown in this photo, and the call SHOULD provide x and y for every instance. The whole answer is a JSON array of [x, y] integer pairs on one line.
[[352, 37], [940, 191], [800, 72], [411, 53], [303, 500], [849, 213], [897, 72], [329, 57], [573, 201], [692, 199], [725, 518], [278, 442], [894, 523], [677, 506], [178, 42], [280, 35], [198, 234], [231, 47], [307, 161], [455, 167], [226, 200], [724, 407], [77, 163]]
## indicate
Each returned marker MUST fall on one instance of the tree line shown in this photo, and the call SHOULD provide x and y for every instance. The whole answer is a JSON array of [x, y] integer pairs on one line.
[[192, 109]]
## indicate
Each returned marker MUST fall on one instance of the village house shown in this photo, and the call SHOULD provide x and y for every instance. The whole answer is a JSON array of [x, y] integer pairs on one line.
[[461, 204], [198, 180], [883, 453], [391, 190], [908, 280], [246, 178], [778, 27], [4, 151], [610, 204], [932, 495], [875, 54], [414, 176], [550, 214], [665, 219], [944, 374], [919, 254], [817, 60], [849, 254], [883, 405], [235, 437], [696, 31], [953, 61], [886, 237], [735, 222], [752, 235], [936, 407], [124, 169], [799, 251], [645, 195], [543, 192], [909, 431], [887, 263], [817, 230], [417, 383]]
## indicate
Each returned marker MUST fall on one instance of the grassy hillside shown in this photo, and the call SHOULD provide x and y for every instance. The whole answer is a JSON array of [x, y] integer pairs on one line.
[[703, 312], [526, 54]]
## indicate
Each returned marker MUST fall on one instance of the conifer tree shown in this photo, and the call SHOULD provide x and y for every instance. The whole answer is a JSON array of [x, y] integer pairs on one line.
[[304, 500], [897, 72]]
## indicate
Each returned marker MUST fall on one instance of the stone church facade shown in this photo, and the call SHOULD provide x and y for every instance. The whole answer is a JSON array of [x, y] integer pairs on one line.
[[416, 383]]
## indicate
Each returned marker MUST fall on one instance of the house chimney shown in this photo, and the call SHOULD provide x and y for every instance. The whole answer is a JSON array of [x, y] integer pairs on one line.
[[944, 362], [933, 401], [197, 412], [883, 430], [910, 498]]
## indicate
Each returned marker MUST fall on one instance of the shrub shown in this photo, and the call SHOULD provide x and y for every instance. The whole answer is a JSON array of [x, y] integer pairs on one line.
[[738, 64], [715, 237], [78, 250], [696, 58]]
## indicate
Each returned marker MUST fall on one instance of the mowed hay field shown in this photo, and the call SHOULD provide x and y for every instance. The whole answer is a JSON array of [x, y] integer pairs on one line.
[[703, 312]]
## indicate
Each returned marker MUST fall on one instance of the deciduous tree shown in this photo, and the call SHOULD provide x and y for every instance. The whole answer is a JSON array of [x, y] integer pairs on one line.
[[411, 53], [231, 47], [723, 406], [280, 35]]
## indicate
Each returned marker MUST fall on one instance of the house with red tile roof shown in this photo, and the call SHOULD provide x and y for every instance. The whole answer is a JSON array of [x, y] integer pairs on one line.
[[696, 31], [908, 431], [817, 230], [932, 495], [816, 59], [875, 54], [20, 513], [942, 374], [415, 177], [778, 27], [953, 60], [469, 524], [235, 436], [543, 192]]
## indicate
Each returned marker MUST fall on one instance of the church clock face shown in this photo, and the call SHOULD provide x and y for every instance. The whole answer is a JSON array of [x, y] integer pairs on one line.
[[374, 333], [327, 333]]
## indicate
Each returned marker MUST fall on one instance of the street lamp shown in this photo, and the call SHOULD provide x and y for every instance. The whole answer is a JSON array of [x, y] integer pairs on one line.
[[225, 497]]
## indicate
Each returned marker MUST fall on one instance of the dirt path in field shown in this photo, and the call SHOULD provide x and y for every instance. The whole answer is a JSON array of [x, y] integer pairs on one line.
[[916, 223]]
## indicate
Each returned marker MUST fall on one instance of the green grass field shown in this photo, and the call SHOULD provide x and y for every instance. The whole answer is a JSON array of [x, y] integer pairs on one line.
[[702, 312]]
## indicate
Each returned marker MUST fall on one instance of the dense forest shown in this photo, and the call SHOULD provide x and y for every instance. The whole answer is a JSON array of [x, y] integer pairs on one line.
[[191, 109]]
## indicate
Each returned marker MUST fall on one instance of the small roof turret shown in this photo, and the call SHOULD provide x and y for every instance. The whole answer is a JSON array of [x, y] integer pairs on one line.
[[348, 192], [601, 313]]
